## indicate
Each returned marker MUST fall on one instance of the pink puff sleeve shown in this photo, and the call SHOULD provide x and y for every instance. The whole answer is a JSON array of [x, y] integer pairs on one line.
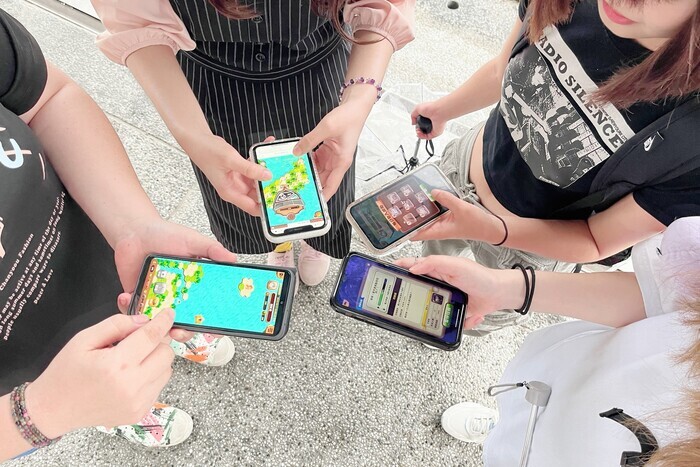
[[392, 19], [134, 24]]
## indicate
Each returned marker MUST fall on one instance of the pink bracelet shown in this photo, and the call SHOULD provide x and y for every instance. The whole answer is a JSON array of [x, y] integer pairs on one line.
[[24, 423], [360, 80]]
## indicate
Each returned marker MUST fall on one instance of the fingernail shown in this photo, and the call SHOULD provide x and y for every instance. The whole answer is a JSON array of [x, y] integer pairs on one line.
[[140, 319], [169, 313], [267, 174], [123, 300], [296, 151]]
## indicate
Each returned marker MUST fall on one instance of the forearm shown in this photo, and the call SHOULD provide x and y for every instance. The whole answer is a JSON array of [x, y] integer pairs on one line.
[[482, 89], [369, 59], [157, 71], [89, 158], [609, 298]]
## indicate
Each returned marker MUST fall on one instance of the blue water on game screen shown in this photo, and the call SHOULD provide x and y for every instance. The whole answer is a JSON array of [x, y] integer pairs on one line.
[[281, 166], [220, 296]]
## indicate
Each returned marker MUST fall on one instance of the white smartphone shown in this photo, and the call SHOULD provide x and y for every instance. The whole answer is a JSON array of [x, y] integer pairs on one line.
[[293, 207], [388, 217]]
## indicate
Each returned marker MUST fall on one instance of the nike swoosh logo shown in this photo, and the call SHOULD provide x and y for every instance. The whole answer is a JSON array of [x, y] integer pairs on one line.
[[648, 143]]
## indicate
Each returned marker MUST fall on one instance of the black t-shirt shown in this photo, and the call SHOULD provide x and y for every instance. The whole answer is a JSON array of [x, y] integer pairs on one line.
[[57, 273], [544, 143]]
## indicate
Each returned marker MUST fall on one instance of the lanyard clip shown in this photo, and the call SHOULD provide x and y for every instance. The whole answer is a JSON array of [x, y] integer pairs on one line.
[[504, 388]]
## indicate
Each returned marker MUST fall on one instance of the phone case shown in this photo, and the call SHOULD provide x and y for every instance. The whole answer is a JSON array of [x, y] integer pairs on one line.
[[403, 241], [389, 326], [284, 327], [263, 218]]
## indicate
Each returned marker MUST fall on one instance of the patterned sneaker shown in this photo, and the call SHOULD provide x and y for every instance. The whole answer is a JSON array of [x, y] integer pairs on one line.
[[469, 422], [206, 349], [163, 426], [313, 265]]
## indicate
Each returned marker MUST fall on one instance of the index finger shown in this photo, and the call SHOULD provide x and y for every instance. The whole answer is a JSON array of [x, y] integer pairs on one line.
[[139, 344], [310, 140]]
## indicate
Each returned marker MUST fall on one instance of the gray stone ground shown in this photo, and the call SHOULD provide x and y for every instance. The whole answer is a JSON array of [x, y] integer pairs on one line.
[[334, 391]]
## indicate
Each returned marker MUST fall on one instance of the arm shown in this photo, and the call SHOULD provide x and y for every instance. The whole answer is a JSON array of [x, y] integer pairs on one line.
[[621, 226], [91, 164], [612, 299], [482, 89]]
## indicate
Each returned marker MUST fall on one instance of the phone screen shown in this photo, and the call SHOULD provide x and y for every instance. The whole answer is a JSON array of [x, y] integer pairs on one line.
[[222, 296], [378, 290], [292, 201], [400, 208]]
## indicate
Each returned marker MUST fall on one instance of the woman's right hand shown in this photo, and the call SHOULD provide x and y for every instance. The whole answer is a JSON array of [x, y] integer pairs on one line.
[[233, 177], [92, 382], [432, 111]]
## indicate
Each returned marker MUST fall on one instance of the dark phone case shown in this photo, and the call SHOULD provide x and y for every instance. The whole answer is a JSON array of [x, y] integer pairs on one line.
[[286, 312], [414, 334]]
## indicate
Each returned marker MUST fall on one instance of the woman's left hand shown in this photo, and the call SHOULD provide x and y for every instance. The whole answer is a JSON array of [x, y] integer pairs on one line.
[[163, 237], [339, 132]]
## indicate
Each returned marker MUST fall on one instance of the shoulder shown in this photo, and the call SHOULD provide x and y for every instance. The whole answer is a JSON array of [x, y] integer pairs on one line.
[[23, 70]]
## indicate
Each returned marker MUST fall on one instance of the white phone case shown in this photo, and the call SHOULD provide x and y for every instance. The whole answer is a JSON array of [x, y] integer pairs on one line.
[[264, 219], [402, 241]]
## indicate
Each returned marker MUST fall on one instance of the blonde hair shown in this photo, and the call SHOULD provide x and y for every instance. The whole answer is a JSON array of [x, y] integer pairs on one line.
[[686, 453]]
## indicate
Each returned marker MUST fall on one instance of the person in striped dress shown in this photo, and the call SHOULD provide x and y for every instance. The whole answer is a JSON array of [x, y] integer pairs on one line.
[[226, 74]]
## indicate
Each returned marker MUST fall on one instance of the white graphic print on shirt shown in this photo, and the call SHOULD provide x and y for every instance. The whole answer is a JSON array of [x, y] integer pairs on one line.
[[559, 141]]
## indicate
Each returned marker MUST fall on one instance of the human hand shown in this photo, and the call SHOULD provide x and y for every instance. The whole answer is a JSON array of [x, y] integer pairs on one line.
[[463, 220], [91, 382], [339, 131], [164, 237], [432, 111], [233, 176], [489, 290]]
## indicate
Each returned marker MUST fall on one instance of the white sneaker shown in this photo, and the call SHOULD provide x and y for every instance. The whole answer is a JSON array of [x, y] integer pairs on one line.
[[469, 422], [206, 349], [163, 426], [313, 265]]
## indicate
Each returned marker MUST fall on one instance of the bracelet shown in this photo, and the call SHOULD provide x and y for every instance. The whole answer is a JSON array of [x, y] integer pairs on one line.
[[20, 416], [504, 226], [529, 287], [360, 80]]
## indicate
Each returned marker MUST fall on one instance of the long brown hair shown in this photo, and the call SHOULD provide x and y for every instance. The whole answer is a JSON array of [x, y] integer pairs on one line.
[[329, 8], [672, 71], [686, 453]]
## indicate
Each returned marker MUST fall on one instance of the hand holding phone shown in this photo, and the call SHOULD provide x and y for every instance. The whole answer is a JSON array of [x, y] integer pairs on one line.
[[292, 205], [390, 216], [243, 300], [393, 298]]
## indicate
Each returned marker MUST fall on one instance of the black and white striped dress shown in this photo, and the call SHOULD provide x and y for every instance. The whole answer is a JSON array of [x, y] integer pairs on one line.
[[275, 74]]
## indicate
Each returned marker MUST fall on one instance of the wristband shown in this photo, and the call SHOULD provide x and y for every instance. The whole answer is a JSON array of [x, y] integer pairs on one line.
[[24, 424], [360, 80], [529, 287]]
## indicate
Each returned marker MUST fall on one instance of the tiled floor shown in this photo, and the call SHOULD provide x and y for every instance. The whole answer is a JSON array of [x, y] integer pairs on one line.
[[334, 391]]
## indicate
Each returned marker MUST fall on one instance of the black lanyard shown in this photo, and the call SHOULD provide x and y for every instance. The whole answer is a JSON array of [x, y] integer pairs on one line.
[[646, 439]]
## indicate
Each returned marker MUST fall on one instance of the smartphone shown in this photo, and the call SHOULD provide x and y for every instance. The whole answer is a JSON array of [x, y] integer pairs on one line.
[[392, 298], [387, 218], [243, 300], [292, 203]]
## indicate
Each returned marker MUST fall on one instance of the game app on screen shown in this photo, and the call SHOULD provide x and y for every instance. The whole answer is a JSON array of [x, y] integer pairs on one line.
[[371, 288], [291, 197], [390, 214], [212, 295]]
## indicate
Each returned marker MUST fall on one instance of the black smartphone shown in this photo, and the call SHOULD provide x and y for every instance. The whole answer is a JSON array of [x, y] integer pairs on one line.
[[244, 300], [392, 298], [388, 217]]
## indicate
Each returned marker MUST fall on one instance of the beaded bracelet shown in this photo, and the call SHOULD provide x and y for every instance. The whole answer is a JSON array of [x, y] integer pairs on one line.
[[27, 429], [360, 80]]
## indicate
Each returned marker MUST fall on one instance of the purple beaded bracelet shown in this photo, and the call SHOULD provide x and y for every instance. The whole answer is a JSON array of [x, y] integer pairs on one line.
[[27, 429], [361, 80]]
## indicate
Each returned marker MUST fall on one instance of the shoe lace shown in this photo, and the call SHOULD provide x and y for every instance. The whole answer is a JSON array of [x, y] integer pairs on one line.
[[280, 259], [480, 425]]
